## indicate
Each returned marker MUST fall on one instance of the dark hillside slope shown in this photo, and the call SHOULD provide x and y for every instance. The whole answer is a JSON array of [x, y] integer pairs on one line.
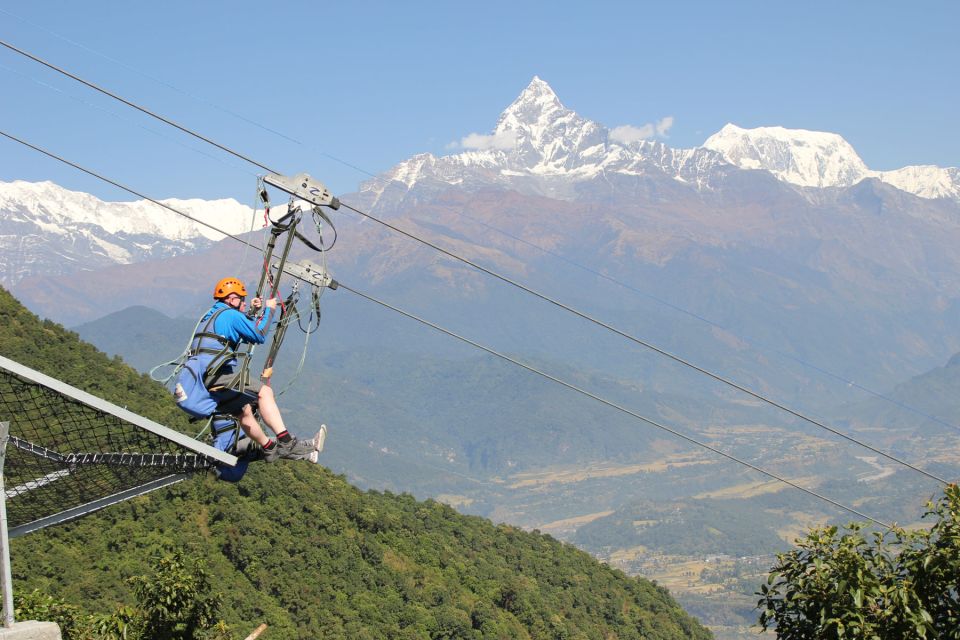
[[298, 548], [59, 353]]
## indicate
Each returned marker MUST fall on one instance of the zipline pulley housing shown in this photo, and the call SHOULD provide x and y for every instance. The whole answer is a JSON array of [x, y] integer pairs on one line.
[[309, 272], [299, 187], [304, 187]]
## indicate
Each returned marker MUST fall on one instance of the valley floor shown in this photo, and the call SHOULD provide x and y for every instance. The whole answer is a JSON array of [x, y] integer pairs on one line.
[[717, 589]]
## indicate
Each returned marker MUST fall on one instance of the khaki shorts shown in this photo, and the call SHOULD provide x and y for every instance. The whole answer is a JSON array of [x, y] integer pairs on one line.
[[229, 399], [228, 380]]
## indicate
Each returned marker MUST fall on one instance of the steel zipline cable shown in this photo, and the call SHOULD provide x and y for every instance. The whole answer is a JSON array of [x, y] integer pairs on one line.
[[691, 314], [819, 369], [513, 283], [877, 394], [609, 403], [132, 104], [147, 76], [477, 345]]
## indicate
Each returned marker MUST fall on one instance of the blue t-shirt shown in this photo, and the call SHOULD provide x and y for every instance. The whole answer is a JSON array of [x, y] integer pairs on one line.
[[236, 327]]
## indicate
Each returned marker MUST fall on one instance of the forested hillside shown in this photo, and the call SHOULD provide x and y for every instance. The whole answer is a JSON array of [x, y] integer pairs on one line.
[[298, 548], [51, 349]]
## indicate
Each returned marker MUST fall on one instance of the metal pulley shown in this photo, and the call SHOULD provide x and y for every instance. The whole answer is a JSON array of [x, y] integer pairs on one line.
[[308, 272], [304, 187]]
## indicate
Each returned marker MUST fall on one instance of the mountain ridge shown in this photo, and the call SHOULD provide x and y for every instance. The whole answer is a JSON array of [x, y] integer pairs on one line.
[[538, 147], [48, 230], [537, 141], [821, 160]]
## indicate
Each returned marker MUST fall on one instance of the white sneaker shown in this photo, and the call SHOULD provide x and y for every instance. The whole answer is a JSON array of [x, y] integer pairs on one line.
[[317, 441]]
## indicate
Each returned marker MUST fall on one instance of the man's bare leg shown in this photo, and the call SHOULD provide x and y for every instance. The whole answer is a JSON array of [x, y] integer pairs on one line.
[[269, 410], [251, 426]]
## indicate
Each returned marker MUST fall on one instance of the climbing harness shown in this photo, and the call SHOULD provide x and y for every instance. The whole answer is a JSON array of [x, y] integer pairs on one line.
[[200, 388]]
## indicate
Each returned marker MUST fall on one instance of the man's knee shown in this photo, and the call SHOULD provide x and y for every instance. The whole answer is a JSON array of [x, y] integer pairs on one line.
[[266, 394]]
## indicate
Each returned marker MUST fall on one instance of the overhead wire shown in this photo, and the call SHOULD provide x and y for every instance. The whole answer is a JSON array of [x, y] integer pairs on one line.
[[606, 402], [488, 350], [148, 76], [132, 105], [376, 177], [511, 282], [118, 116], [199, 99], [835, 376], [839, 378], [827, 372]]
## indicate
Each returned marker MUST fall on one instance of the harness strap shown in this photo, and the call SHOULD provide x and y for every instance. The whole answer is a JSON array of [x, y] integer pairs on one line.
[[221, 356], [206, 332], [233, 425], [215, 336]]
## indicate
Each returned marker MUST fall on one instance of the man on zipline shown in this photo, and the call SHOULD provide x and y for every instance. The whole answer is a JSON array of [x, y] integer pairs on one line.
[[214, 382]]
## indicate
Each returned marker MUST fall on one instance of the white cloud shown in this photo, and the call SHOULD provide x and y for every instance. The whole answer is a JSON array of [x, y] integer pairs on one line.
[[503, 140], [628, 133], [664, 126]]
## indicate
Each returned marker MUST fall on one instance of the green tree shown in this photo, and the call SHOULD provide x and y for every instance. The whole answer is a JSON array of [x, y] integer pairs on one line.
[[176, 601], [37, 605], [899, 585]]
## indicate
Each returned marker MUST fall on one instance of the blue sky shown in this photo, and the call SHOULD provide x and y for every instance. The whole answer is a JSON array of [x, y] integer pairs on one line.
[[372, 83]]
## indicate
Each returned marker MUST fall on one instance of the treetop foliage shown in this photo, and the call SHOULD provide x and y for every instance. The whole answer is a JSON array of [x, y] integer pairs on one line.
[[49, 348], [891, 585]]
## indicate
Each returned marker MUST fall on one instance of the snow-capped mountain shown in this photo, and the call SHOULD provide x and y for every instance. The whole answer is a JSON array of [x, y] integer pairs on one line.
[[926, 181], [818, 159], [537, 148], [804, 158], [540, 147], [47, 229]]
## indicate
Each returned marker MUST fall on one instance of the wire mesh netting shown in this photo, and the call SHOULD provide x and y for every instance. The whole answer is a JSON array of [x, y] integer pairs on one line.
[[63, 453]]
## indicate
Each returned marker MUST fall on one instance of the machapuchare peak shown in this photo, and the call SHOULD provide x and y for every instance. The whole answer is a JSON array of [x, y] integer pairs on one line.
[[540, 146], [532, 106]]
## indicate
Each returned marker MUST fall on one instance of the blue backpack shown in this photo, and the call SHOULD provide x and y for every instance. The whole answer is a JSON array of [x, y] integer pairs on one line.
[[208, 353]]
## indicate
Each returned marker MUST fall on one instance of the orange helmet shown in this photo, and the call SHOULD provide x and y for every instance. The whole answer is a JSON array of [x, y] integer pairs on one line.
[[227, 286]]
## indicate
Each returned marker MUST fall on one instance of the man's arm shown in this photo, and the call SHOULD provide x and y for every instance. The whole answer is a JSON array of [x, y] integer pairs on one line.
[[236, 327], [263, 327]]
